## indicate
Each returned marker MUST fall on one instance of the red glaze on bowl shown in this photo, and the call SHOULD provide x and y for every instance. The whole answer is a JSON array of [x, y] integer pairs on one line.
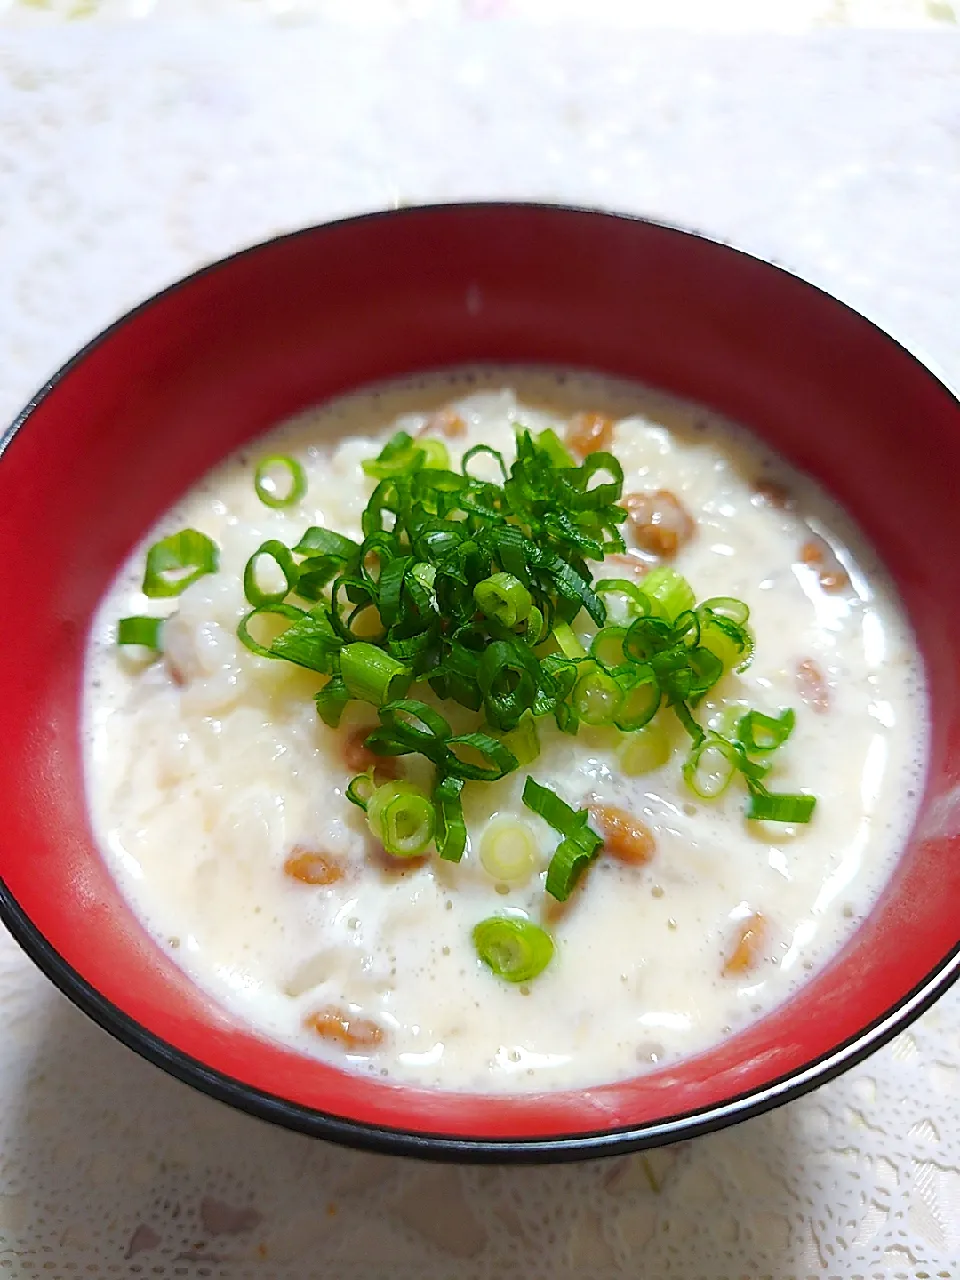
[[129, 424]]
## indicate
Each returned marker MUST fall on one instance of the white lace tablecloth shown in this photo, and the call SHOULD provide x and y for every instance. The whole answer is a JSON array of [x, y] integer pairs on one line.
[[129, 154]]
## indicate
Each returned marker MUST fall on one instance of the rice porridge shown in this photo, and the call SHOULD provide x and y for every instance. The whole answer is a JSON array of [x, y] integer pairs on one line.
[[701, 831]]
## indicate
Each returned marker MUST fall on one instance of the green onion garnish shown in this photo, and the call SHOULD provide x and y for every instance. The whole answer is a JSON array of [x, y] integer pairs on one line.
[[567, 642], [669, 590], [283, 489], [597, 697], [758, 733], [515, 949], [504, 599], [524, 740], [360, 790], [402, 455], [283, 559], [332, 701], [140, 630], [508, 850], [580, 843], [476, 592], [710, 767], [767, 806], [402, 818], [372, 675], [175, 562], [451, 836], [572, 857]]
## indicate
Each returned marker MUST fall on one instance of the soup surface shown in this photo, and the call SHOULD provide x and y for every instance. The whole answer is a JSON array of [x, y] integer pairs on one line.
[[219, 795]]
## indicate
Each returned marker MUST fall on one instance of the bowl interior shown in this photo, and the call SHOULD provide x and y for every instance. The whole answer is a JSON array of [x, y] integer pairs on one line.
[[191, 375]]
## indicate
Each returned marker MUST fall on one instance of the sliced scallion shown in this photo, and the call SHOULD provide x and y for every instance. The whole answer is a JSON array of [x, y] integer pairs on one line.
[[288, 611], [283, 559], [760, 734], [509, 850], [332, 701], [514, 949], [567, 642], [670, 591], [360, 790], [642, 696], [503, 598], [572, 857], [710, 767], [402, 818], [140, 630], [279, 480], [451, 830], [597, 697], [372, 675], [580, 843], [768, 806], [524, 740], [175, 562]]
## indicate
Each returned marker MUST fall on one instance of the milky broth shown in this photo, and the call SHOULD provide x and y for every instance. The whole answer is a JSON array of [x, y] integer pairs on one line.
[[205, 769]]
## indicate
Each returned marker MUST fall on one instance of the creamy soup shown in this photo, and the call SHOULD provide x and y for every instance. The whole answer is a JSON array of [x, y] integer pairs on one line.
[[219, 794]]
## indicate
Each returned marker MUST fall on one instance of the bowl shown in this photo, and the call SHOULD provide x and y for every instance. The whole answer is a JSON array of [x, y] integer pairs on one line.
[[128, 424]]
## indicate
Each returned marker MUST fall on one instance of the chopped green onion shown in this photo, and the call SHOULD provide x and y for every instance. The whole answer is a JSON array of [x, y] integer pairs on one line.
[[639, 604], [476, 451], [509, 850], [479, 758], [670, 591], [503, 598], [400, 456], [435, 455], [567, 642], [524, 740], [288, 611], [462, 583], [175, 562], [140, 630], [283, 559], [372, 675], [647, 638], [597, 697], [726, 607], [515, 949], [767, 806], [324, 542], [686, 630], [759, 733], [607, 646], [580, 843], [507, 677], [402, 818], [451, 830], [310, 643], [682, 712], [271, 489], [547, 804], [332, 701], [710, 767], [646, 750], [360, 790], [572, 857], [549, 443], [407, 726], [642, 696], [720, 632]]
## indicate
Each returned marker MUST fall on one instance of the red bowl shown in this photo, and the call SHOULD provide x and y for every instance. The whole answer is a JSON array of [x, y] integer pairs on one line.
[[137, 416]]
